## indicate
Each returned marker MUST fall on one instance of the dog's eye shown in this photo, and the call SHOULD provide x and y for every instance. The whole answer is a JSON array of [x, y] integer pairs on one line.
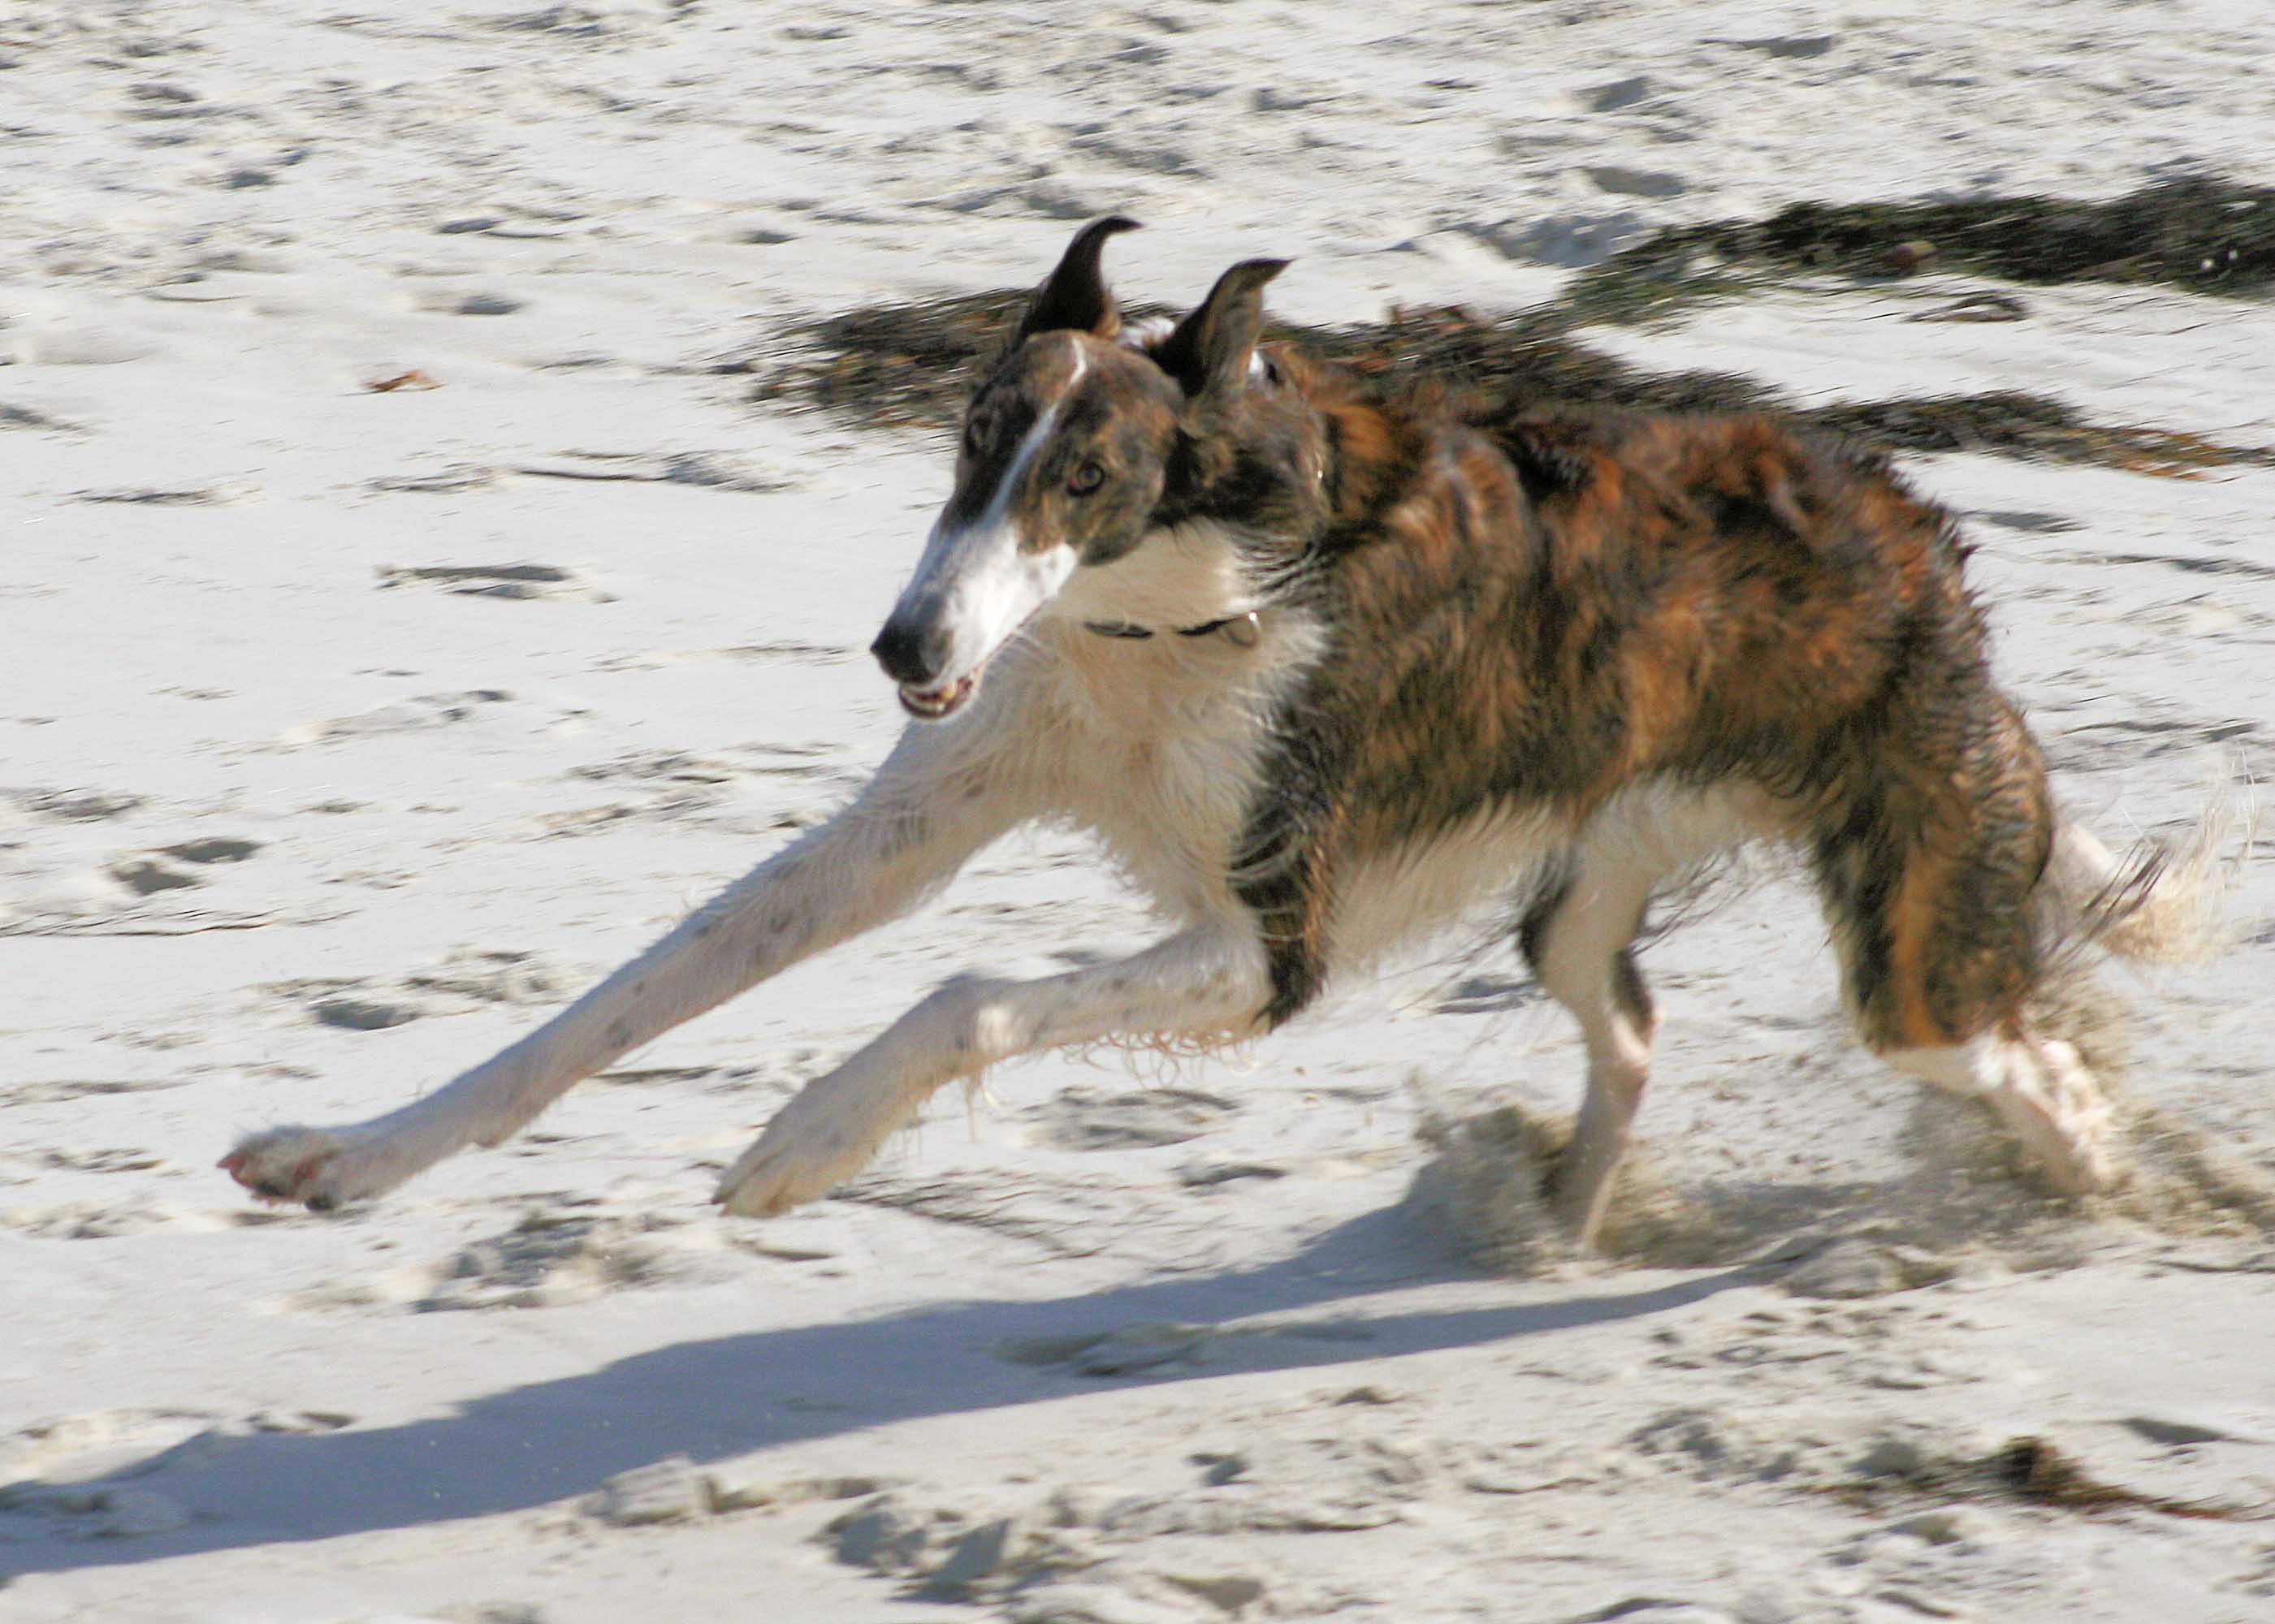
[[1085, 478]]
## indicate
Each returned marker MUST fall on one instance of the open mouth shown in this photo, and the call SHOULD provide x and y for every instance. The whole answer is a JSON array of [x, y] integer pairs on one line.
[[938, 704]]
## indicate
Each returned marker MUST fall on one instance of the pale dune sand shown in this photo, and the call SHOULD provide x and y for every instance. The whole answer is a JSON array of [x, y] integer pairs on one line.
[[347, 731]]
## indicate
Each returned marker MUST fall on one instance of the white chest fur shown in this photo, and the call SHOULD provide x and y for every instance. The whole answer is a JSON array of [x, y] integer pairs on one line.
[[1157, 745]]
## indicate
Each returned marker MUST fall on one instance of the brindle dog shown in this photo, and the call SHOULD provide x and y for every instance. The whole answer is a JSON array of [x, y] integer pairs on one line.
[[1324, 666]]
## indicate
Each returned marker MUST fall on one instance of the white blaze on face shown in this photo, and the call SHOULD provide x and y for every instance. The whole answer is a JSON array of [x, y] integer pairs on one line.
[[980, 579]]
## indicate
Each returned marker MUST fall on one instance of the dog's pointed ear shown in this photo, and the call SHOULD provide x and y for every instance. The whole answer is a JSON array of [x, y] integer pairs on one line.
[[1209, 352], [1076, 295]]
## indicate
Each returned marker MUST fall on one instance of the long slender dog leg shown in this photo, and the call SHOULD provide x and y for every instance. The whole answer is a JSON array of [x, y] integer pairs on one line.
[[2041, 1091], [1578, 938], [1200, 984], [1577, 941], [927, 809]]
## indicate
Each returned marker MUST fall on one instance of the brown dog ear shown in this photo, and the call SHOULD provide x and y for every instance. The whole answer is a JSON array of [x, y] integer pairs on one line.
[[1209, 352], [1074, 295]]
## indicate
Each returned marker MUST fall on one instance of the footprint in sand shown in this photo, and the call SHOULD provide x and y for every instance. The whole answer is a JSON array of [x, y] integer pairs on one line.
[[96, 1444], [101, 1473], [739, 790], [180, 867], [223, 495], [415, 715], [463, 980], [75, 805], [214, 848], [445, 480], [1082, 1119], [114, 1159], [60, 1089], [148, 875], [107, 1221], [549, 583], [555, 1255]]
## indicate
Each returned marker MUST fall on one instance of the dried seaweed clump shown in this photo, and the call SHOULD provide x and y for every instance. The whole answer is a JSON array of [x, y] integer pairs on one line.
[[912, 367], [2200, 233]]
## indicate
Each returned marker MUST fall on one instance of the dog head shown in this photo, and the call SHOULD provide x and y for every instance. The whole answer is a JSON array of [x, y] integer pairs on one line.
[[1068, 449]]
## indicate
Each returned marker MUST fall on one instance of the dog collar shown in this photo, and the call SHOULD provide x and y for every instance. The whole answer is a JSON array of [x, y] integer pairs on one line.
[[1240, 630]]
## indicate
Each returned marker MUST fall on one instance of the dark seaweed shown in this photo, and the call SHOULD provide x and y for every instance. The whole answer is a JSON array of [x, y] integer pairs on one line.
[[912, 367], [2200, 233]]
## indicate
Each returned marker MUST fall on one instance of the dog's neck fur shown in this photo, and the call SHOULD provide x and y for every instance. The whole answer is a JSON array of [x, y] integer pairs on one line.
[[1180, 576]]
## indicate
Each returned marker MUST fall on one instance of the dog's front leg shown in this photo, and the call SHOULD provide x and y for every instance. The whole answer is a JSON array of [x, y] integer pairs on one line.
[[927, 809], [1204, 985]]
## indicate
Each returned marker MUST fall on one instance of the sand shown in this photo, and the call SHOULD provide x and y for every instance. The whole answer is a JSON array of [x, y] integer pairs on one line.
[[351, 729]]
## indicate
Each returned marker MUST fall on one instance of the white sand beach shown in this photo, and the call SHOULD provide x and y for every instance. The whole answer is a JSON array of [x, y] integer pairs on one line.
[[348, 730]]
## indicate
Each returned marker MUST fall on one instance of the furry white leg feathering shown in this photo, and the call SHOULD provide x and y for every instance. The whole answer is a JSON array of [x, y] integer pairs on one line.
[[1199, 984], [2041, 1090]]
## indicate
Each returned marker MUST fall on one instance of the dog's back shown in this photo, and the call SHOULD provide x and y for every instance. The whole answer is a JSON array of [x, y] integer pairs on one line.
[[1656, 634], [1556, 612]]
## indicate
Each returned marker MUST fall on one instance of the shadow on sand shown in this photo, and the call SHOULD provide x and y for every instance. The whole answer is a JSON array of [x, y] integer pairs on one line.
[[526, 1447]]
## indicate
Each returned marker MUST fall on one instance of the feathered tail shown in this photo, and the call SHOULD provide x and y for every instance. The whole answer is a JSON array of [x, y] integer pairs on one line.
[[2158, 903]]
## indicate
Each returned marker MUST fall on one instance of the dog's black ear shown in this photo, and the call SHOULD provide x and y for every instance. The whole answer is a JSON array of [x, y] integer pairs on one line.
[[1209, 352], [1074, 295]]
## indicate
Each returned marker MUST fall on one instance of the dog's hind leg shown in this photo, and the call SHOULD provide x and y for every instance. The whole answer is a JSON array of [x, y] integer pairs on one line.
[[1930, 868], [1204, 984], [1942, 981], [2040, 1089], [1578, 937], [927, 809]]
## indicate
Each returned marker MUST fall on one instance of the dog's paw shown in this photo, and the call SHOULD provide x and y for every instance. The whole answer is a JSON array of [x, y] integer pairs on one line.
[[316, 1167], [785, 1169]]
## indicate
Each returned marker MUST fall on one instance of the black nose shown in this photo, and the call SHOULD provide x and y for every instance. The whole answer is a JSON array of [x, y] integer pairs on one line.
[[909, 654]]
